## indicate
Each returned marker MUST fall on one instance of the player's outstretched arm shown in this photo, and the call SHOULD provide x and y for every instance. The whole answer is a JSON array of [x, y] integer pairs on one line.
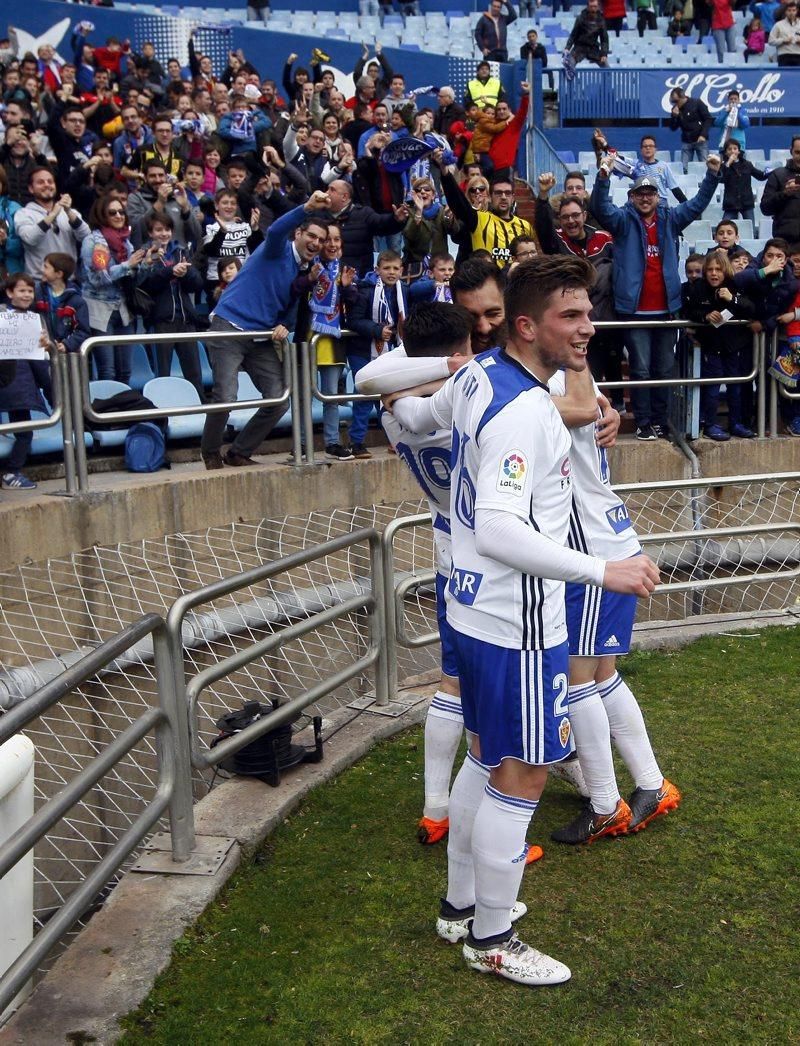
[[637, 576], [394, 371]]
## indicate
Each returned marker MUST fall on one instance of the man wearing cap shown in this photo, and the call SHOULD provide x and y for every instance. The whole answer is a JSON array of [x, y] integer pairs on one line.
[[647, 282]]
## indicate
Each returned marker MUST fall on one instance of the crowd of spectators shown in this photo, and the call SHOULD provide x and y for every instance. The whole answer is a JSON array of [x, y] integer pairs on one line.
[[773, 24], [137, 193]]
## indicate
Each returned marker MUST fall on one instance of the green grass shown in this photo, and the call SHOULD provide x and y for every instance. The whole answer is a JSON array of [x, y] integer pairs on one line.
[[688, 932]]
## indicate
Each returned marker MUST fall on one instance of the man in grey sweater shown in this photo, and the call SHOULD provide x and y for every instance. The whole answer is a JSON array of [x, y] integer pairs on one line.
[[48, 224]]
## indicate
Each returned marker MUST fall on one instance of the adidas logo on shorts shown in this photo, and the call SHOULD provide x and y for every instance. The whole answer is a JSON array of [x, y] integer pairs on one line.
[[611, 641]]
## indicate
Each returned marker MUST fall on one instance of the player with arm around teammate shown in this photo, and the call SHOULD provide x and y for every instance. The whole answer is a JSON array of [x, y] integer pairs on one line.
[[599, 625], [438, 333], [505, 600]]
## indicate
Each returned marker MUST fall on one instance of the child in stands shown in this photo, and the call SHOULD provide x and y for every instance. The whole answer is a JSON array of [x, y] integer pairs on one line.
[[20, 394], [755, 38], [713, 301]]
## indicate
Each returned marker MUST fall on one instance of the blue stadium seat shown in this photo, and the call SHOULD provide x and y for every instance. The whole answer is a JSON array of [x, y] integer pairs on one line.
[[177, 392], [699, 230], [45, 441], [103, 389], [141, 368]]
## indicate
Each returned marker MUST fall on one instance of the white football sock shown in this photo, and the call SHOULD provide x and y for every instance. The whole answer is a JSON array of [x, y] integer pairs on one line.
[[444, 726], [593, 743], [465, 797], [629, 732], [498, 849]]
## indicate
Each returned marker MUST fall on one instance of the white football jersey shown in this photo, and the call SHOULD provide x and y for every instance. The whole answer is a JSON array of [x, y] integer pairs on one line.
[[428, 458], [600, 524], [510, 452]]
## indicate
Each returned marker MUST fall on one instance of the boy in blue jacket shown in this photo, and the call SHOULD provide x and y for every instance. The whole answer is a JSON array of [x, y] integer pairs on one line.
[[377, 317]]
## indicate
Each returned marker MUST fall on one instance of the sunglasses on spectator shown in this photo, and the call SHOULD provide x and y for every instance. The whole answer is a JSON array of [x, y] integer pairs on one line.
[[115, 212], [478, 188]]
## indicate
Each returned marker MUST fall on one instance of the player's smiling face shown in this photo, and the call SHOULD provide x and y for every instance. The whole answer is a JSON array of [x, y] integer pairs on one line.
[[485, 304], [563, 330]]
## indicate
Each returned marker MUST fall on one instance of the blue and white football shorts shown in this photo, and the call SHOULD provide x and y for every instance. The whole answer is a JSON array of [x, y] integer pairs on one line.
[[446, 633], [515, 700], [598, 622]]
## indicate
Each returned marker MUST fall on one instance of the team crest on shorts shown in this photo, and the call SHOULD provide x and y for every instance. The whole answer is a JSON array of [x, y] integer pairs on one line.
[[564, 731], [511, 477]]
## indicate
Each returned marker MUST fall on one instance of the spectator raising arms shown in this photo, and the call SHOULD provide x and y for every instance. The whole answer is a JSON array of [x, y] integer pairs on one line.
[[646, 280]]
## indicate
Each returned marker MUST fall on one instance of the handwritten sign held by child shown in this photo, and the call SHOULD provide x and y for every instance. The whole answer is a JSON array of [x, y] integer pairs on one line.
[[20, 336]]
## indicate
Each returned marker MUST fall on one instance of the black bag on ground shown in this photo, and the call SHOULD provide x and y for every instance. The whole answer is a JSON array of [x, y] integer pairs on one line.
[[130, 399]]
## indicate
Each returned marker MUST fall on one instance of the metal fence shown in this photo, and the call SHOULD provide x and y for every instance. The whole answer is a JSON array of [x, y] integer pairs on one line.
[[723, 544], [73, 405]]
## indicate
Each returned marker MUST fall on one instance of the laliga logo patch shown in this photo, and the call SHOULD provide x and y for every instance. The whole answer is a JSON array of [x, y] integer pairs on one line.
[[511, 478], [564, 731]]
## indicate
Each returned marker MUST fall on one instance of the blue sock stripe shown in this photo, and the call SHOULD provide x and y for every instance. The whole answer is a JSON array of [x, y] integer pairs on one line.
[[452, 705], [481, 766], [580, 693], [512, 801], [582, 690], [610, 685]]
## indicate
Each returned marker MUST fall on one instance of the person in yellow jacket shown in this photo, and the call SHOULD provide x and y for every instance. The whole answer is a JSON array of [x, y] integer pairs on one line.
[[485, 89]]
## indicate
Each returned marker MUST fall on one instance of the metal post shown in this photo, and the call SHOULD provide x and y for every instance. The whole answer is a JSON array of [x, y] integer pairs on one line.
[[378, 630], [387, 558], [773, 386], [307, 375], [61, 370], [77, 422], [181, 805], [294, 385], [761, 386]]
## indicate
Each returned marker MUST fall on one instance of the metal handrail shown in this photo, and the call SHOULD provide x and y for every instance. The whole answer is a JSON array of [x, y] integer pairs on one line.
[[131, 416], [310, 389], [61, 414], [387, 555], [173, 791], [82, 405], [396, 592], [374, 603]]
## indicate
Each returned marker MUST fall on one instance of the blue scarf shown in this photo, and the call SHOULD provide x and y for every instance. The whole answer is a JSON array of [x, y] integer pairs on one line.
[[324, 304]]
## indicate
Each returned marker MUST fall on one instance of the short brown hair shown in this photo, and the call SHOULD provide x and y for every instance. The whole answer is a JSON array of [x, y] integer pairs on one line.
[[531, 284]]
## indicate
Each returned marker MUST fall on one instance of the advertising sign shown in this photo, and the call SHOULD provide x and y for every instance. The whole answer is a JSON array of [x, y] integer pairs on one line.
[[765, 92]]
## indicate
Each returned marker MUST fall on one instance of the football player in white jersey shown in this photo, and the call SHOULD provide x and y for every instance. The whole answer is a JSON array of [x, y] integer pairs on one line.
[[443, 329], [600, 624], [509, 442]]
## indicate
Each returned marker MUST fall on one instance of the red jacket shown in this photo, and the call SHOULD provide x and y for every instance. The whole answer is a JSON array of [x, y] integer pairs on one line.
[[503, 150], [613, 9], [721, 14]]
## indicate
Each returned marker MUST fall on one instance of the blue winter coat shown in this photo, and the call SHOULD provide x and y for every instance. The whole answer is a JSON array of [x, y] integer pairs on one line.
[[69, 322], [12, 252], [630, 241], [359, 315], [772, 296]]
